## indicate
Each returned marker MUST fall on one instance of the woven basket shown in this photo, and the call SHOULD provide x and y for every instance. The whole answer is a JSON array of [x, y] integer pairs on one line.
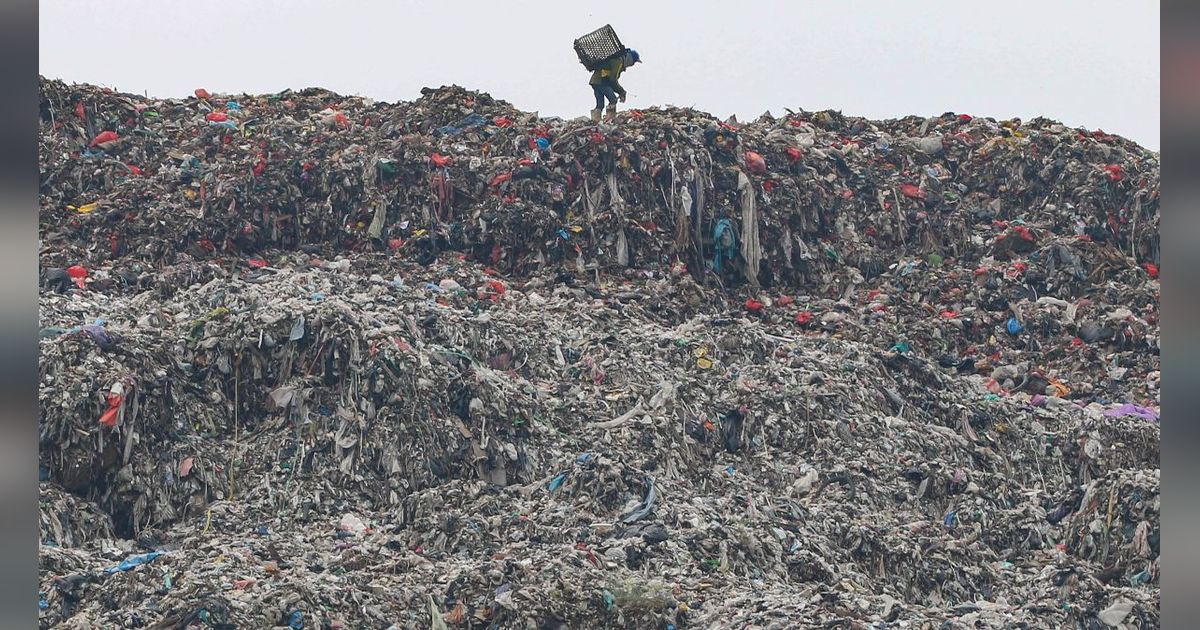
[[598, 47]]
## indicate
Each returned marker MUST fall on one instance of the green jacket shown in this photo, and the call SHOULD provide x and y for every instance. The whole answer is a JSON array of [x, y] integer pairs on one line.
[[610, 72]]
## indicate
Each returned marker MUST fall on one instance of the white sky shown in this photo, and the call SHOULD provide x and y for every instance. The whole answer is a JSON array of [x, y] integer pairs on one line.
[[1091, 63]]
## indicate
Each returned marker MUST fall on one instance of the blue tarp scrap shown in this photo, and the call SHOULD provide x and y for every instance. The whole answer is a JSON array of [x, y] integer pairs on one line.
[[134, 561]]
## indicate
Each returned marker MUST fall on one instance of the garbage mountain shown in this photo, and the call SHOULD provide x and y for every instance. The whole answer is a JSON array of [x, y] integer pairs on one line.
[[314, 361]]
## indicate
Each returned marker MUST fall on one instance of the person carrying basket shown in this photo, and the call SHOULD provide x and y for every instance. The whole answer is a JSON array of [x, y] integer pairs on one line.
[[606, 83]]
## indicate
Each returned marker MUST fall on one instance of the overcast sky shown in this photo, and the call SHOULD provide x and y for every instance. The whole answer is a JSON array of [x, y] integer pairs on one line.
[[1093, 64]]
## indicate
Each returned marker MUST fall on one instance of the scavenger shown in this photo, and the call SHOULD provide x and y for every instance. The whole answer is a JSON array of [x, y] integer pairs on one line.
[[606, 83]]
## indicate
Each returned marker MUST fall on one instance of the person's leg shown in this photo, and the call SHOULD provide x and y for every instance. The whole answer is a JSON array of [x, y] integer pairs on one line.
[[609, 93], [598, 92]]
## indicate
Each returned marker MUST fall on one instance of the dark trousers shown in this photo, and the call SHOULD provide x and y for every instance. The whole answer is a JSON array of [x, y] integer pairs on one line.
[[602, 91]]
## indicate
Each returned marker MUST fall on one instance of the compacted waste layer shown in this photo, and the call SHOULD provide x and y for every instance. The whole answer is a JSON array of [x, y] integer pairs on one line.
[[314, 361]]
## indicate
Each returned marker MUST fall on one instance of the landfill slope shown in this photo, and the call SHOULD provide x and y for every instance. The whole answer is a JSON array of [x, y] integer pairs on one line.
[[313, 361]]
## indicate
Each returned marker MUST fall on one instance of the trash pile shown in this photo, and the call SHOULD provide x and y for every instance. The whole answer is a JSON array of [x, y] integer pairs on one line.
[[313, 361]]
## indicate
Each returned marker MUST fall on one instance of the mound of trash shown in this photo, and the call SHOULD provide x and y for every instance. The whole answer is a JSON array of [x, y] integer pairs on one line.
[[313, 361]]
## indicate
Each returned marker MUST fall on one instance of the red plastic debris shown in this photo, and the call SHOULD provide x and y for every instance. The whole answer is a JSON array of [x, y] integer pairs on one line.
[[109, 419], [202, 93], [754, 305], [503, 121], [769, 185], [440, 161], [804, 317], [395, 243], [1151, 269], [104, 137], [794, 154], [596, 137], [77, 273], [133, 169], [949, 314], [1023, 232], [912, 192], [756, 163], [785, 300], [1115, 172], [493, 291], [80, 111], [260, 167], [217, 117], [257, 263], [500, 179]]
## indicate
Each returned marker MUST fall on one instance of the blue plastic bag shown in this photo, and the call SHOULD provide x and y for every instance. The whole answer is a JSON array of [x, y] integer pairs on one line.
[[134, 561]]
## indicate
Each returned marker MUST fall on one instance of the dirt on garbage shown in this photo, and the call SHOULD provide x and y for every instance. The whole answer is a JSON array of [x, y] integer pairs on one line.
[[316, 361]]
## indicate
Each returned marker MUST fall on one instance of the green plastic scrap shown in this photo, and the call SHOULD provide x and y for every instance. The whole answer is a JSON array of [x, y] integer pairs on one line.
[[435, 616], [609, 600], [1140, 578]]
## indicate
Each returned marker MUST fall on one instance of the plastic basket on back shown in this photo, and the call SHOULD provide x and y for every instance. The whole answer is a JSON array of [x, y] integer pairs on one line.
[[597, 47]]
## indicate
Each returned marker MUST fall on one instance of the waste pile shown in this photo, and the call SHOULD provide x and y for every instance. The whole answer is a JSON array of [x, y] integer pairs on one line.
[[313, 361]]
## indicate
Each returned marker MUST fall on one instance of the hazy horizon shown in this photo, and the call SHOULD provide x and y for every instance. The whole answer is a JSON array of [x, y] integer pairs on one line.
[[1096, 68]]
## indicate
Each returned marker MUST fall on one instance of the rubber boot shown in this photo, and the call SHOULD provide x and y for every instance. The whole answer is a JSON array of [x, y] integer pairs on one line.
[[595, 115], [611, 112]]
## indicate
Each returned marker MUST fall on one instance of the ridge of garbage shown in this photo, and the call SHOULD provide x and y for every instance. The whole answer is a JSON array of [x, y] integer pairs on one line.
[[314, 361]]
